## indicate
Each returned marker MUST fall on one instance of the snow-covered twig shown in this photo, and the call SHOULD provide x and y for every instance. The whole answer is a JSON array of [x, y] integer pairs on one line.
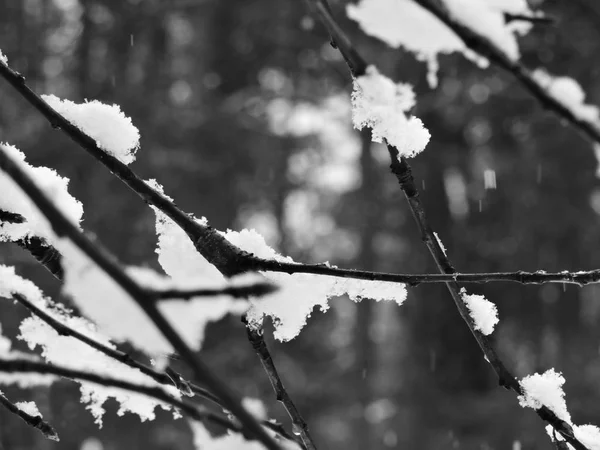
[[62, 226], [35, 421], [485, 47], [194, 411], [403, 172], [299, 425], [171, 378], [44, 253]]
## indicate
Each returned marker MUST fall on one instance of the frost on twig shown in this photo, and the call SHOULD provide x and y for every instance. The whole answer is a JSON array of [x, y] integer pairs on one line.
[[382, 105], [3, 58], [112, 130]]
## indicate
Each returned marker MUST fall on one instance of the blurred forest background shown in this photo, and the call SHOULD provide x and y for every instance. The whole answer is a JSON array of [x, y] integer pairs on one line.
[[244, 112]]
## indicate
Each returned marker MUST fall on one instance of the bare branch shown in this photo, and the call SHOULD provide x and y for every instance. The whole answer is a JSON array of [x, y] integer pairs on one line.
[[34, 421], [538, 20], [260, 347], [403, 172], [63, 227]]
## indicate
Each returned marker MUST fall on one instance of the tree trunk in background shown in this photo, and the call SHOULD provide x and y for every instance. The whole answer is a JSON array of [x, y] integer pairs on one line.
[[365, 365], [82, 55]]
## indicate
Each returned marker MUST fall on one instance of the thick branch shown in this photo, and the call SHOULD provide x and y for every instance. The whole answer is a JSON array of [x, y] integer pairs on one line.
[[403, 172], [63, 227], [260, 347], [485, 47], [34, 421], [194, 411]]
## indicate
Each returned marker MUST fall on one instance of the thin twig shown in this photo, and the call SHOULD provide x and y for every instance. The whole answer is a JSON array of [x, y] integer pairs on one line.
[[299, 425], [63, 227], [194, 411], [168, 378], [63, 330], [43, 252], [35, 421], [538, 20], [485, 47], [403, 172], [254, 290]]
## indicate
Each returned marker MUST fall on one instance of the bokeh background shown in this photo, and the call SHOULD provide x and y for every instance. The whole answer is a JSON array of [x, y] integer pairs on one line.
[[244, 113]]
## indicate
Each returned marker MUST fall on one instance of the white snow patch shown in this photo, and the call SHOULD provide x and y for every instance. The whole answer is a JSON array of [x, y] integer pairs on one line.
[[29, 408], [69, 352], [545, 390], [400, 23], [569, 93], [483, 312], [113, 131], [14, 200], [289, 307], [3, 58], [588, 435], [381, 104]]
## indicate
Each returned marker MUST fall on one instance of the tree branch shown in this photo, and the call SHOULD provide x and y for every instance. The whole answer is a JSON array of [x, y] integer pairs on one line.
[[34, 421], [196, 412], [403, 172], [43, 252], [254, 290], [260, 347], [485, 47], [63, 227], [50, 258]]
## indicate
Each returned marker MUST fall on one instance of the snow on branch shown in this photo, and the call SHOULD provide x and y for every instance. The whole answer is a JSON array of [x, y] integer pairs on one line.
[[400, 23], [568, 92], [112, 130], [29, 412], [196, 412], [545, 391], [14, 200], [73, 342], [403, 172], [289, 306], [78, 242], [382, 105], [483, 312]]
